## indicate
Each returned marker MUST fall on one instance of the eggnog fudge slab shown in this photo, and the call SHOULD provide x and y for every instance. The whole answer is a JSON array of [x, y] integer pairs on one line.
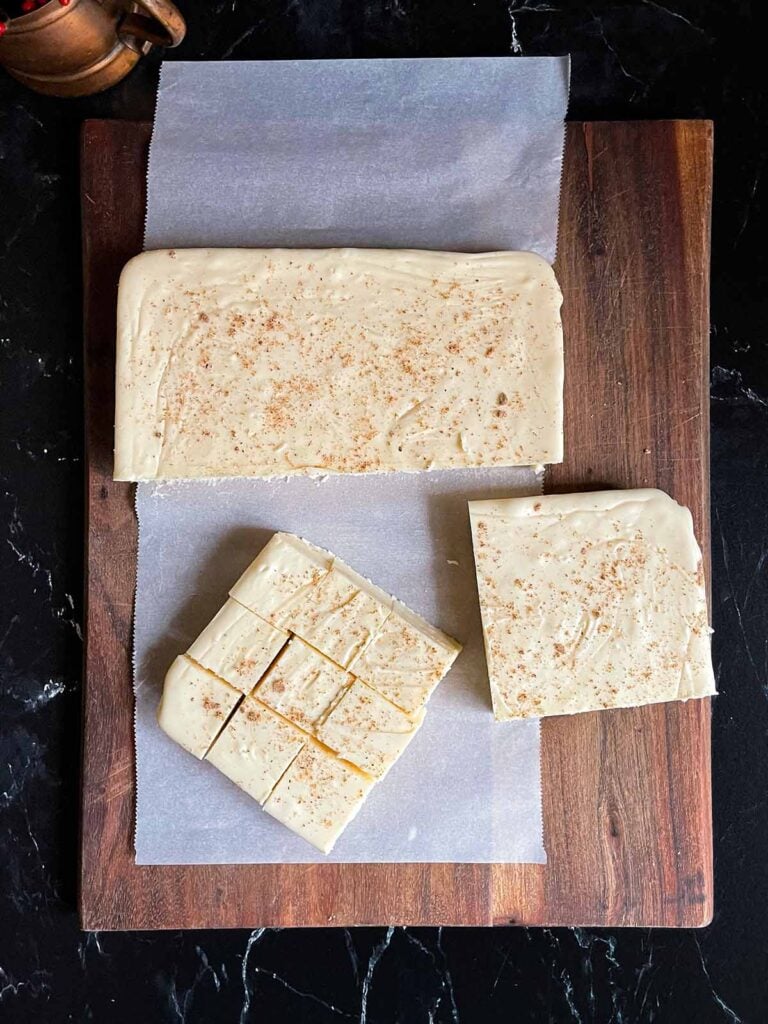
[[590, 601], [259, 362]]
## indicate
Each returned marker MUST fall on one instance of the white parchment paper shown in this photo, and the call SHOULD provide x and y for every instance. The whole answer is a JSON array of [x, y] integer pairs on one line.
[[461, 154], [455, 154]]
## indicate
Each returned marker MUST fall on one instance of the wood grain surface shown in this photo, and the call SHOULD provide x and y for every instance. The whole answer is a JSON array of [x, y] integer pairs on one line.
[[627, 805]]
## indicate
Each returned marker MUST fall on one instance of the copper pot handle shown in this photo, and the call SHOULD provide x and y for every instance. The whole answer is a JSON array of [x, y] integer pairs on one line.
[[161, 23]]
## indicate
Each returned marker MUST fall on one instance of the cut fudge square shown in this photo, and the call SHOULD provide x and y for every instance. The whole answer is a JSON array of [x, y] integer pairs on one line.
[[407, 659], [366, 729], [283, 574], [195, 705], [302, 684], [318, 796], [255, 748], [238, 646], [590, 601], [342, 616]]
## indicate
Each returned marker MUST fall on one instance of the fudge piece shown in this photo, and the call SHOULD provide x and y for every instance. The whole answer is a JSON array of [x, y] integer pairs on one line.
[[406, 660], [269, 362], [318, 796], [366, 729], [344, 615], [255, 748], [238, 646], [590, 601], [281, 576], [195, 705], [302, 685]]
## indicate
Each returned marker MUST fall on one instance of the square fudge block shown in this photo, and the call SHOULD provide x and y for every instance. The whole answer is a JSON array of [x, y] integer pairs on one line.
[[195, 705], [282, 575], [294, 621], [343, 614], [366, 729], [318, 796], [302, 685], [407, 659], [590, 601], [238, 646], [255, 748]]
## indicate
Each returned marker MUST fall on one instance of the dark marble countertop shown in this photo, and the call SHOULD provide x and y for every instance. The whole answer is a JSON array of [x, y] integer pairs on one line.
[[632, 59]]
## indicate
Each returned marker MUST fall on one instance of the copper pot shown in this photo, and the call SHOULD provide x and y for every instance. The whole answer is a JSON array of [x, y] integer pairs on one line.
[[87, 45]]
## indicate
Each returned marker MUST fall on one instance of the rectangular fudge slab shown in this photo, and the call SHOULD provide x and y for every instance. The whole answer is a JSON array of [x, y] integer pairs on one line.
[[365, 728], [258, 362], [255, 748], [318, 796], [238, 646], [302, 685], [590, 601], [195, 705]]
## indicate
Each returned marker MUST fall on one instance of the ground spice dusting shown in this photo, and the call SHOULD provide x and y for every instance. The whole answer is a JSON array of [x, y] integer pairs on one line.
[[613, 607], [310, 738], [456, 335]]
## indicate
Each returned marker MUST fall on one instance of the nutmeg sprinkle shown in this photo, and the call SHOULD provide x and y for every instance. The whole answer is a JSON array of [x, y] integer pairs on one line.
[[307, 739], [271, 362], [590, 601]]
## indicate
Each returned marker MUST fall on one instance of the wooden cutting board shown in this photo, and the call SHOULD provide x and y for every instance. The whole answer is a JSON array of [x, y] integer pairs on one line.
[[627, 798]]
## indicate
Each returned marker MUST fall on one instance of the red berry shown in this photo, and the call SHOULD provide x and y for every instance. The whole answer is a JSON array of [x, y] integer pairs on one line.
[[64, 3], [3, 28], [28, 5]]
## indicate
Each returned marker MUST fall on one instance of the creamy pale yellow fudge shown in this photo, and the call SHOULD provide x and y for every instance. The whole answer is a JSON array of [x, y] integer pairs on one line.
[[342, 618], [195, 705], [590, 601], [255, 748], [406, 660], [258, 362], [318, 796], [281, 576], [297, 729], [302, 685], [365, 728], [238, 645]]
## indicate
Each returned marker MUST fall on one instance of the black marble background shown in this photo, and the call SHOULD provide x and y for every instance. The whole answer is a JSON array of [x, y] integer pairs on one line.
[[681, 58]]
